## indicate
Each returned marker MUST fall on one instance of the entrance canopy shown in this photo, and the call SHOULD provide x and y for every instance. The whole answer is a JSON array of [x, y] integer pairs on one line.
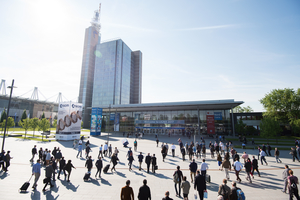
[[185, 105]]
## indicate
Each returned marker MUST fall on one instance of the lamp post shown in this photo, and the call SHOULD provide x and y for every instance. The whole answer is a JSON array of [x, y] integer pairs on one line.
[[11, 90]]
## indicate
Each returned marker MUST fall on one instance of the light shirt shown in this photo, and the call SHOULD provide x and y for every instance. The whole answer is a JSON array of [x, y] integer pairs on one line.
[[238, 166], [262, 153], [100, 148], [173, 147], [36, 168], [80, 142], [203, 166], [105, 147]]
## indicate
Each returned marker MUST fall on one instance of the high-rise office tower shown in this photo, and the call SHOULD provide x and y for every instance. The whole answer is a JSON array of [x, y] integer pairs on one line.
[[118, 74], [92, 37]]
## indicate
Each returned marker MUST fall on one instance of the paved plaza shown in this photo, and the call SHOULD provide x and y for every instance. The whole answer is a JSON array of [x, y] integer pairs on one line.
[[268, 186]]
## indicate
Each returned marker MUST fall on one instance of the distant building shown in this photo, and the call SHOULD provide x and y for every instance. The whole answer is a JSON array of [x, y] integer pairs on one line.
[[111, 73]]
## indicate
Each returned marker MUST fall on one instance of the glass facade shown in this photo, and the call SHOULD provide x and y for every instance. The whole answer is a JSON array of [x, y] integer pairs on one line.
[[173, 122]]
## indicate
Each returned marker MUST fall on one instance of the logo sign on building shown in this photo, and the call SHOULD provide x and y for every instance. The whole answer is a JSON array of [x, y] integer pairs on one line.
[[96, 121], [218, 115], [69, 121], [112, 117]]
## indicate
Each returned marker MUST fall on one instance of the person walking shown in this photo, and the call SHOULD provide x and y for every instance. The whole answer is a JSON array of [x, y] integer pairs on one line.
[[68, 168], [200, 184], [62, 164], [89, 164], [58, 156], [127, 192], [285, 175], [255, 166], [144, 191], [7, 161], [164, 152], [130, 159], [177, 177], [100, 151], [219, 159], [49, 172], [36, 171], [167, 194], [292, 183], [224, 190], [114, 160], [237, 167], [105, 149], [54, 166], [79, 150], [33, 152], [227, 167], [234, 192], [262, 157], [276, 154], [99, 166], [193, 168], [153, 162], [183, 153], [248, 167], [185, 188], [135, 145], [148, 161], [203, 167], [41, 152], [173, 147], [48, 157], [140, 158], [87, 151], [269, 148], [294, 154]]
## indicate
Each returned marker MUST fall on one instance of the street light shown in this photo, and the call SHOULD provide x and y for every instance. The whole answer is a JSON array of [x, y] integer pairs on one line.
[[11, 90], [108, 124]]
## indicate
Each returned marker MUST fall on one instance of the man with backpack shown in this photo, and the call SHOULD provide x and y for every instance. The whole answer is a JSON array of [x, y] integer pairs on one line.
[[236, 193], [177, 177], [224, 190]]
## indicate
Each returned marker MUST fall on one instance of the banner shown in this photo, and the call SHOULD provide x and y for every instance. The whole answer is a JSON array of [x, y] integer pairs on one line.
[[69, 119], [210, 120], [96, 121]]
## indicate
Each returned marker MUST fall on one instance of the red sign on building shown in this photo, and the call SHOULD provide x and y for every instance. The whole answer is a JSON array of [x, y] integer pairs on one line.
[[210, 120]]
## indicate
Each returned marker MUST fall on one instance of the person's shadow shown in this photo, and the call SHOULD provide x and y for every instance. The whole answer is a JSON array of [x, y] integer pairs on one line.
[[35, 195]]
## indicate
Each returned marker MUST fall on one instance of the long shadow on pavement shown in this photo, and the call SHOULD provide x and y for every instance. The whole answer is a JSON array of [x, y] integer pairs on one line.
[[105, 182], [35, 195], [3, 175], [121, 174], [69, 185]]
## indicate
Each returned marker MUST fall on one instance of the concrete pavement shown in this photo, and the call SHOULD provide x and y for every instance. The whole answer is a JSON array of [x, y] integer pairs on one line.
[[268, 186]]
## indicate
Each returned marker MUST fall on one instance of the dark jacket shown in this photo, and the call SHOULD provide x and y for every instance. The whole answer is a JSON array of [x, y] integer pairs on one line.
[[254, 163], [180, 176], [114, 160], [126, 193], [69, 167], [153, 160], [49, 171], [148, 160], [33, 151], [233, 195], [144, 193], [248, 166], [140, 157], [200, 183], [193, 167], [99, 164], [62, 163], [89, 163]]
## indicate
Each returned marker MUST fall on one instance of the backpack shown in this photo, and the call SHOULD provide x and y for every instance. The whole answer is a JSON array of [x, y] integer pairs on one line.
[[176, 178], [225, 193], [240, 194]]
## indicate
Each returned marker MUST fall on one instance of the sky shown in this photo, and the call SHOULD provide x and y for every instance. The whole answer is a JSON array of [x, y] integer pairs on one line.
[[192, 50]]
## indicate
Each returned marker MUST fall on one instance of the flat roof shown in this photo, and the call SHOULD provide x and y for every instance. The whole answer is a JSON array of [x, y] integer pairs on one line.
[[184, 105]]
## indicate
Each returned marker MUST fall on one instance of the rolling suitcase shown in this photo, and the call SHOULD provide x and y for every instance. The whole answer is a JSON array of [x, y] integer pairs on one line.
[[87, 176], [207, 178], [25, 185], [106, 168]]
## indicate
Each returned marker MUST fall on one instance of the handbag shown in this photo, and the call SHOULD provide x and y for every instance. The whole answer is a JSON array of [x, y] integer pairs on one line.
[[195, 194], [205, 195], [155, 167]]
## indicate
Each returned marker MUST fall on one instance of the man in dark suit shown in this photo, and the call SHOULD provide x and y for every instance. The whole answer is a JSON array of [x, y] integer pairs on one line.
[[153, 161], [144, 192], [200, 184], [127, 192], [148, 161]]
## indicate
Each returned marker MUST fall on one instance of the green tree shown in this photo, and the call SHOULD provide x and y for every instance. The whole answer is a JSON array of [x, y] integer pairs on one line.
[[44, 124], [240, 127], [269, 127], [24, 115], [25, 123], [34, 123], [282, 105], [54, 124], [3, 116], [43, 115], [10, 123], [240, 109]]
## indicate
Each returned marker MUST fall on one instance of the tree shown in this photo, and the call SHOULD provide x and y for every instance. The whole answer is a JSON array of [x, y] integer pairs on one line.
[[25, 123], [34, 123], [240, 109], [282, 105], [269, 127], [3, 116], [10, 123], [44, 124], [240, 127], [43, 115], [24, 115], [54, 124]]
